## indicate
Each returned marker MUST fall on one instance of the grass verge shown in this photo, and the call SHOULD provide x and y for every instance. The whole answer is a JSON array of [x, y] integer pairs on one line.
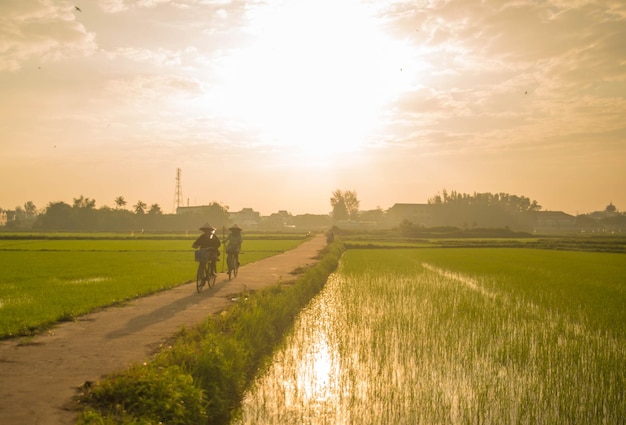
[[202, 376]]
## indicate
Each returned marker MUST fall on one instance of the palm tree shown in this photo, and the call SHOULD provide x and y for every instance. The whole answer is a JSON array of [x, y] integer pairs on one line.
[[155, 209], [120, 202], [140, 207]]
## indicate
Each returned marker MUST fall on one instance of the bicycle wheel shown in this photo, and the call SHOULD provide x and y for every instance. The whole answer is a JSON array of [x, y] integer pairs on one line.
[[235, 265], [211, 275], [229, 262], [200, 277]]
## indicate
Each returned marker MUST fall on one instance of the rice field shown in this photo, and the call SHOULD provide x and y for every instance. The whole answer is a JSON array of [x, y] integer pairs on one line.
[[43, 281], [455, 336]]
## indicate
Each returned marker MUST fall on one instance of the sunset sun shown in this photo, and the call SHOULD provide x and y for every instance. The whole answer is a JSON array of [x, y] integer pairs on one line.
[[320, 89]]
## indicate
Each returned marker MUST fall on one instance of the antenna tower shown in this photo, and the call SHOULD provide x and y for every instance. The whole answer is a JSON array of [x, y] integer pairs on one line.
[[178, 196]]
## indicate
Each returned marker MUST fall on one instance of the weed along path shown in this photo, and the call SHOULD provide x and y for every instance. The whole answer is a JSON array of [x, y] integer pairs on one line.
[[40, 375]]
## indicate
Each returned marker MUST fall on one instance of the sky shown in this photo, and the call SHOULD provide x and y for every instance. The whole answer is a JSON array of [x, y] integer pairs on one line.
[[273, 105]]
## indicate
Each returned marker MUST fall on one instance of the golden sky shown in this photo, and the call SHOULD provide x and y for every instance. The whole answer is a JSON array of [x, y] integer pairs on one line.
[[274, 104]]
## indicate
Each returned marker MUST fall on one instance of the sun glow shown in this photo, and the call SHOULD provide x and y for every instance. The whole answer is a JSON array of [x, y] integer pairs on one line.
[[315, 78]]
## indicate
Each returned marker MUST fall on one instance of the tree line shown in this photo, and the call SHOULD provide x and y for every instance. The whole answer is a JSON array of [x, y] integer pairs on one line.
[[82, 215], [494, 210], [503, 201]]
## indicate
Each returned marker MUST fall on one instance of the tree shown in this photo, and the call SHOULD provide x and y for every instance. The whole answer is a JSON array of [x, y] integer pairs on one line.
[[58, 216], [140, 207], [155, 209], [84, 202], [504, 201], [120, 202], [345, 205], [83, 213], [30, 209], [340, 212]]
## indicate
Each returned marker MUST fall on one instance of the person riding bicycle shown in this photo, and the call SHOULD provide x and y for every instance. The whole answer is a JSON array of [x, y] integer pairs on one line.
[[208, 240], [233, 242]]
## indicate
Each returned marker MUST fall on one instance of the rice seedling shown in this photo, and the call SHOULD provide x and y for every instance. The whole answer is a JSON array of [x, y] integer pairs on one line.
[[460, 336]]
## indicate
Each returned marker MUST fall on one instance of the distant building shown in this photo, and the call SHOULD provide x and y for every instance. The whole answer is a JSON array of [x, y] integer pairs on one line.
[[200, 209], [247, 218], [279, 220], [418, 214], [7, 217], [312, 222], [609, 211], [552, 221]]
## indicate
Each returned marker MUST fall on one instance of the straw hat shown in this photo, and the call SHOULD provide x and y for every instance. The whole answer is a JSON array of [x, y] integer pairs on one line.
[[207, 226], [235, 228]]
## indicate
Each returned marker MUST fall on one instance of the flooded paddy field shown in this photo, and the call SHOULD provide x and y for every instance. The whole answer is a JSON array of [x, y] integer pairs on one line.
[[455, 336]]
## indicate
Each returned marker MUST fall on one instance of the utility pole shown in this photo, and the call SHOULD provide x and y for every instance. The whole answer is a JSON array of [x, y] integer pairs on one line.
[[178, 195]]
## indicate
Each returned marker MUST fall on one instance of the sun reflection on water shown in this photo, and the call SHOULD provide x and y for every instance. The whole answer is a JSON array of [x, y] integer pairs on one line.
[[303, 384], [421, 348], [317, 364]]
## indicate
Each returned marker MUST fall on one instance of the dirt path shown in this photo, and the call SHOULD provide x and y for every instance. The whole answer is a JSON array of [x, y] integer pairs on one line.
[[40, 375]]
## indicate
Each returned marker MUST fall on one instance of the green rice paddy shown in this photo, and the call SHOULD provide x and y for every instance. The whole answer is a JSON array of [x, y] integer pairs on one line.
[[455, 336], [416, 334], [43, 281]]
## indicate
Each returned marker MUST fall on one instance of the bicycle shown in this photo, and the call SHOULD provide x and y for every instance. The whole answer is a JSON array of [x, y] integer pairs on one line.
[[207, 268], [232, 260]]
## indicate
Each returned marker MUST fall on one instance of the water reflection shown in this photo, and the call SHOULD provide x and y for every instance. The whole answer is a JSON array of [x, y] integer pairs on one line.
[[351, 360], [418, 348], [303, 383]]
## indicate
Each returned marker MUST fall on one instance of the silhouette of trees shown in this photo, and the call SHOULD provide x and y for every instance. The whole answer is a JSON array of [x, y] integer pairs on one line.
[[83, 213], [506, 201], [30, 210], [155, 209], [484, 209], [83, 216], [83, 202], [57, 216], [140, 207], [120, 202], [23, 217], [345, 205]]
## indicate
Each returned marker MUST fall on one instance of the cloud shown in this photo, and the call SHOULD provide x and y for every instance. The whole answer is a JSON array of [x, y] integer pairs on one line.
[[513, 72], [45, 31], [142, 88], [157, 57]]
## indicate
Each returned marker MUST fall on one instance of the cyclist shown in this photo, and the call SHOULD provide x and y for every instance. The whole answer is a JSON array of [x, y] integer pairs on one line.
[[208, 240], [233, 242]]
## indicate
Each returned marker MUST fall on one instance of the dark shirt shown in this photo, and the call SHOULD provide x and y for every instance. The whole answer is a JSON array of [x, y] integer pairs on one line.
[[207, 241]]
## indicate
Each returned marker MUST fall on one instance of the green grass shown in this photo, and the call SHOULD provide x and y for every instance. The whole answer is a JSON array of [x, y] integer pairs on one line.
[[458, 336], [46, 281]]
